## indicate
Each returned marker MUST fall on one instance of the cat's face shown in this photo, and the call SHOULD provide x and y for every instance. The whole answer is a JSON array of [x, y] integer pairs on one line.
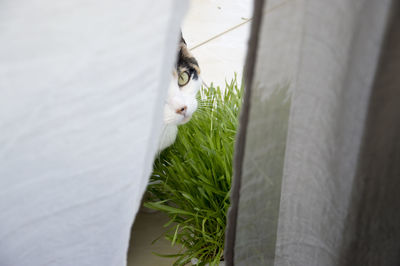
[[181, 100]]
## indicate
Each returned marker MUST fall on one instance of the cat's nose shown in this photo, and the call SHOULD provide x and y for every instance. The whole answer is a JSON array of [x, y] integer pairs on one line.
[[181, 110]]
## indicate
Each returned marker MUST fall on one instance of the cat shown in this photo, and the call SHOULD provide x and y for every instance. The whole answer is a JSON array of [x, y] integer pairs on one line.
[[181, 100]]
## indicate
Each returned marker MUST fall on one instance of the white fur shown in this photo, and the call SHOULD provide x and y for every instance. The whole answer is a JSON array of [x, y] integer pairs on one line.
[[177, 98], [168, 136]]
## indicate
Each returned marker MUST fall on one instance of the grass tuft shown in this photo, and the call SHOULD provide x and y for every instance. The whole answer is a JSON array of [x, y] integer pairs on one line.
[[191, 179]]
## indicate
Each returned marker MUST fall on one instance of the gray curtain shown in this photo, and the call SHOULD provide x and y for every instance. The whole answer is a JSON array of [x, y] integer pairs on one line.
[[317, 163]]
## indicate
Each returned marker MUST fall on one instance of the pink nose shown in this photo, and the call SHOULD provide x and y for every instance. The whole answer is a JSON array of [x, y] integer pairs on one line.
[[182, 110]]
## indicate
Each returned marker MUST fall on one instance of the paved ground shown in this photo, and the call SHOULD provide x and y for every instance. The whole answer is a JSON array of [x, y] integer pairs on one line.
[[216, 32]]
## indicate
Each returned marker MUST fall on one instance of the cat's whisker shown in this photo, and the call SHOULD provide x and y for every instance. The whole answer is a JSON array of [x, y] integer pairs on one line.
[[203, 112], [206, 105]]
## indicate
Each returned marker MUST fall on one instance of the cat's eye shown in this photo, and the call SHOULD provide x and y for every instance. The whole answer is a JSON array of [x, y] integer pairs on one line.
[[183, 78]]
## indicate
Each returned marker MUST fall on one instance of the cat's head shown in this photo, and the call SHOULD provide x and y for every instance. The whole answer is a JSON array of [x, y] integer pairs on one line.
[[181, 100]]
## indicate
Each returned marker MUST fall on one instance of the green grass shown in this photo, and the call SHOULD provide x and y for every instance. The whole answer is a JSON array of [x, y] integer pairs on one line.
[[191, 179]]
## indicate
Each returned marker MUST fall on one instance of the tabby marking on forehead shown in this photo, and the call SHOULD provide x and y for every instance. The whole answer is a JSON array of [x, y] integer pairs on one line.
[[186, 59], [182, 69]]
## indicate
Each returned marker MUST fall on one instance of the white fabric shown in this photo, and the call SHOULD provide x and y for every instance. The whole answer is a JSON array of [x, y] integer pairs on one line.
[[81, 90]]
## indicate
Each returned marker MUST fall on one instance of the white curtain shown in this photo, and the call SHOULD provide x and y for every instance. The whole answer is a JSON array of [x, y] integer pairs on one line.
[[82, 84]]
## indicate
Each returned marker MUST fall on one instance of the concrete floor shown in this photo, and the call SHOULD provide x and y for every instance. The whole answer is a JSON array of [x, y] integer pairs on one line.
[[148, 227], [216, 31]]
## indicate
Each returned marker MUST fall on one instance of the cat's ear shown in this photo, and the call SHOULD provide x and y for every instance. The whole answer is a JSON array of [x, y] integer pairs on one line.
[[182, 41], [182, 48]]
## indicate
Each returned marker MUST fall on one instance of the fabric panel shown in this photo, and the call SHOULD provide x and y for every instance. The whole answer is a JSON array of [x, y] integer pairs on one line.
[[315, 68], [340, 47], [265, 143], [372, 225], [231, 230], [81, 90]]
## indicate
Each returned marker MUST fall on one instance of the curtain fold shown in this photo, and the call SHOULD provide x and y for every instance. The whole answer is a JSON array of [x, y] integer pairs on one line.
[[82, 84], [310, 167], [373, 220], [231, 229]]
